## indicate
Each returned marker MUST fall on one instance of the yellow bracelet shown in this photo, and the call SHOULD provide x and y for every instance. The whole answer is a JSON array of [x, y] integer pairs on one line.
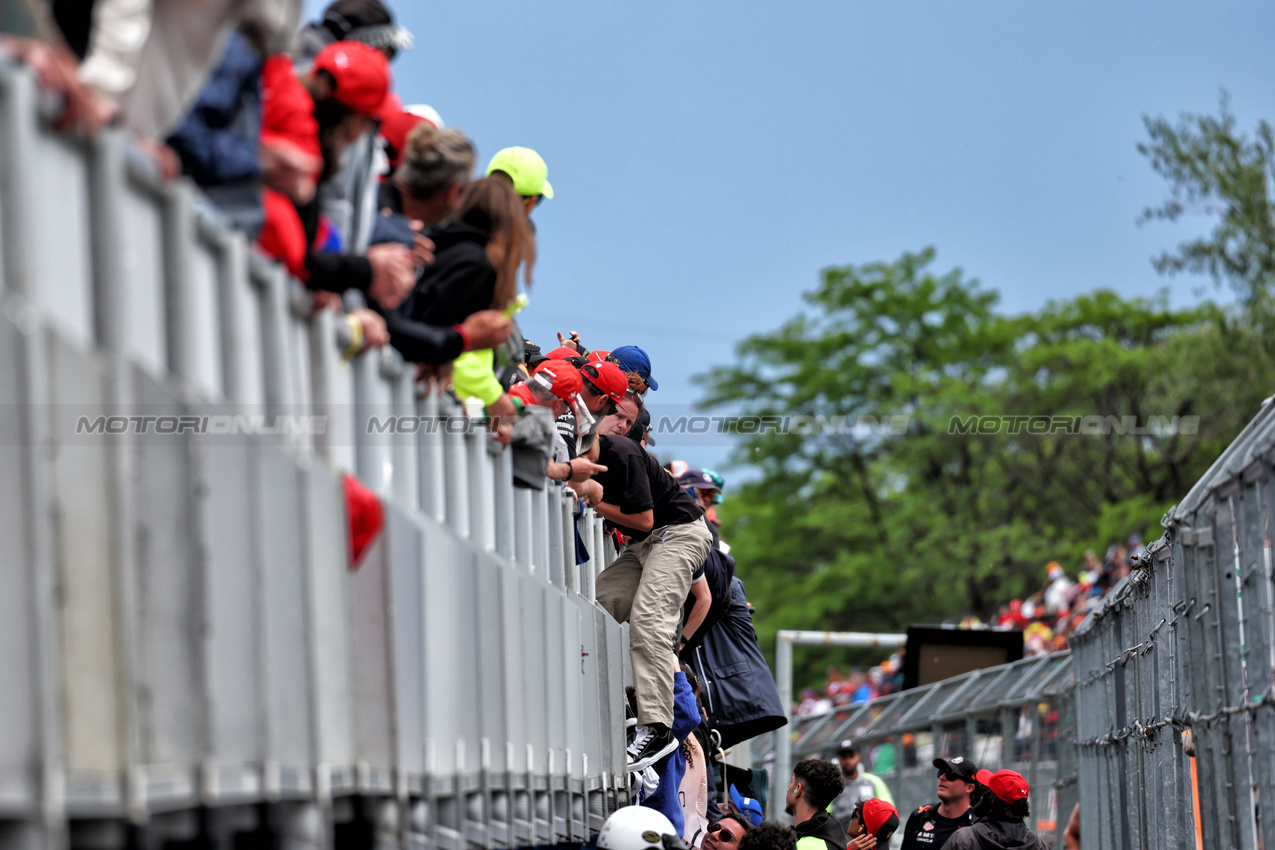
[[356, 337]]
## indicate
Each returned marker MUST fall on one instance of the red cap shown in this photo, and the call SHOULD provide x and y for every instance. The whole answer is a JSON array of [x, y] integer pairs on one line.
[[395, 129], [559, 377], [597, 356], [610, 380], [364, 517], [880, 819], [1008, 785], [362, 75], [562, 353], [287, 110]]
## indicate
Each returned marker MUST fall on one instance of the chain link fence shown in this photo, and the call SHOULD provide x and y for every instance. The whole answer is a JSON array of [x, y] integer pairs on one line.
[[1159, 722], [1177, 662]]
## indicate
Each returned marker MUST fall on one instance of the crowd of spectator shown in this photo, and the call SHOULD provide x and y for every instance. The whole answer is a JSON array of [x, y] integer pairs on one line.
[[1047, 619], [294, 135]]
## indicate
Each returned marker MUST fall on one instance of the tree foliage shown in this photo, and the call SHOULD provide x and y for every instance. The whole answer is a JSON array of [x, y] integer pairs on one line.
[[875, 510], [1216, 170]]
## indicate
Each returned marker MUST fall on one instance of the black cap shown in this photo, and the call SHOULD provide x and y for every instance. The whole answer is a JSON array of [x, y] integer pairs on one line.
[[962, 767], [846, 746]]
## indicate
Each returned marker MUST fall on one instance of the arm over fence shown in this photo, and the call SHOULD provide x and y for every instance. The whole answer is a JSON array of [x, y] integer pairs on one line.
[[180, 627]]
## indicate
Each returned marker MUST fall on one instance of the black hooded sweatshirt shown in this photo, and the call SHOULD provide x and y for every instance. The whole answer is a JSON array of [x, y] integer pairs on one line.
[[995, 835], [822, 826], [461, 280]]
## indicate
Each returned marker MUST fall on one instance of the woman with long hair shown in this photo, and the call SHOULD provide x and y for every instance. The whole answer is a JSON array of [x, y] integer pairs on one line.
[[478, 255]]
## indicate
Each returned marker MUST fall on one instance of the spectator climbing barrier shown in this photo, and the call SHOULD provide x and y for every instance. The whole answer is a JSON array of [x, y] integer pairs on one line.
[[185, 648]]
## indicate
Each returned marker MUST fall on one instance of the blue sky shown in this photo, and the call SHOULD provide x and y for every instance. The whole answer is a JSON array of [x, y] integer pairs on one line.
[[710, 158]]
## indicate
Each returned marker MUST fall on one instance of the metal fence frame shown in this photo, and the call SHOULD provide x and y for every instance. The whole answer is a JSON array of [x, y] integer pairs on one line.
[[1187, 644], [180, 630]]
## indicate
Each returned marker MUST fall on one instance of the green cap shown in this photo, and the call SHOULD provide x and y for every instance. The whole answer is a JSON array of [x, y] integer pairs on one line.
[[526, 168]]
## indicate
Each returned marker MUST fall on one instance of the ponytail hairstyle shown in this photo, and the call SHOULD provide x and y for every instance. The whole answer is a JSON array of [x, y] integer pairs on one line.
[[493, 207]]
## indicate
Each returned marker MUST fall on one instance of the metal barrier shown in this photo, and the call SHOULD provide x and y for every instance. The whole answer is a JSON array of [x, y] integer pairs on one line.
[[1187, 644], [181, 639]]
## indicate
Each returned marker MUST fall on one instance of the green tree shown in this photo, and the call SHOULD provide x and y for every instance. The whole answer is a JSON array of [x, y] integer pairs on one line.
[[877, 509], [1214, 169]]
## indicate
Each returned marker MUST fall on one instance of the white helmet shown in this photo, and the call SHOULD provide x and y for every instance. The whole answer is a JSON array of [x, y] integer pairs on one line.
[[635, 828]]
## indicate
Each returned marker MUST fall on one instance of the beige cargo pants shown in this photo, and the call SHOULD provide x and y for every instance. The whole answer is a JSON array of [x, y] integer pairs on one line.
[[645, 587]]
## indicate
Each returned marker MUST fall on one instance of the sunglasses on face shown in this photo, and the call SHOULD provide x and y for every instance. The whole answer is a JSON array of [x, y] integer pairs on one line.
[[536, 200], [952, 777], [725, 835]]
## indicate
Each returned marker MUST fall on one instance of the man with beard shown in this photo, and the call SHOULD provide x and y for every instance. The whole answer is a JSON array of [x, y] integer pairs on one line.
[[860, 785], [929, 827]]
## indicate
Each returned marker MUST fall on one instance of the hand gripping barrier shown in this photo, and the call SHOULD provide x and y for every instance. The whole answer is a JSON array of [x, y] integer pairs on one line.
[[184, 649]]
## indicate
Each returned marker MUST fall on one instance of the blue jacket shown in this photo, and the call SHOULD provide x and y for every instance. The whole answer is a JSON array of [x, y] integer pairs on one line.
[[217, 142], [740, 692], [672, 767]]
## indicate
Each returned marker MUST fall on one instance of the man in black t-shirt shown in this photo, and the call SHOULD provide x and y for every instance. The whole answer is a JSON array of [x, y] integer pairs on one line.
[[930, 826], [647, 584]]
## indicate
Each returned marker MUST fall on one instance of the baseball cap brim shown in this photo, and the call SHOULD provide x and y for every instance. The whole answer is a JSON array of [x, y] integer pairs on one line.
[[962, 769], [547, 190], [747, 806], [983, 776]]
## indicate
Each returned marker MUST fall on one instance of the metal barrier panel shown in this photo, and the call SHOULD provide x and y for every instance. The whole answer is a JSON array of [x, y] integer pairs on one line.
[[168, 576], [182, 628], [94, 616], [20, 570]]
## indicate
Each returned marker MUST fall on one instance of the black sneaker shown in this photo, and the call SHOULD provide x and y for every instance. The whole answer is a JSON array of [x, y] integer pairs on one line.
[[650, 744], [630, 716]]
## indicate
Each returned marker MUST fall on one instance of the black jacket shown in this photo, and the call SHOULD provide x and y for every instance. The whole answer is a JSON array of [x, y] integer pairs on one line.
[[461, 280], [740, 692], [995, 835], [823, 826]]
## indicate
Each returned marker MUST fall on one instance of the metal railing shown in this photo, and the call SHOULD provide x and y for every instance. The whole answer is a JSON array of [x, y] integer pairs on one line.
[[1012, 716], [1185, 645], [179, 628]]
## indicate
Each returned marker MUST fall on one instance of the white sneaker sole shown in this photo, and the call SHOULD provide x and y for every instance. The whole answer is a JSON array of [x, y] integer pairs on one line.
[[644, 763]]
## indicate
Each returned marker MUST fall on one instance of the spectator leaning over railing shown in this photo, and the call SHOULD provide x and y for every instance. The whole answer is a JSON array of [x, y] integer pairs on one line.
[[524, 170], [478, 256], [605, 387], [345, 90], [428, 179], [148, 59], [218, 142], [27, 35], [349, 197]]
